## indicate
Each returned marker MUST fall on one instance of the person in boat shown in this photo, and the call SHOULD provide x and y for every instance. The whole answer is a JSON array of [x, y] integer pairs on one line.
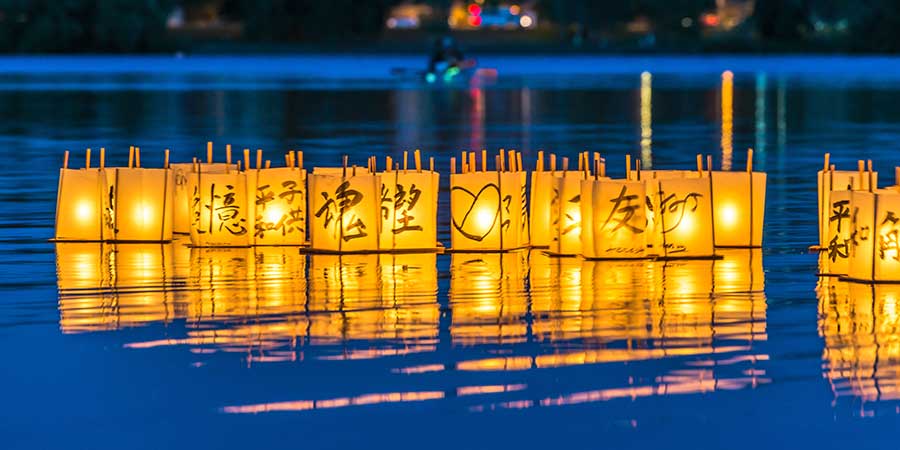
[[445, 55]]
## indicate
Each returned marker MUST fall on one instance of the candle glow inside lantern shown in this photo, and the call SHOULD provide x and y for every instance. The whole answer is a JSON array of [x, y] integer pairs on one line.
[[84, 203], [681, 217], [344, 209], [219, 209], [614, 219], [566, 214], [830, 180], [874, 236], [739, 201], [143, 203], [277, 201], [409, 200], [485, 207]]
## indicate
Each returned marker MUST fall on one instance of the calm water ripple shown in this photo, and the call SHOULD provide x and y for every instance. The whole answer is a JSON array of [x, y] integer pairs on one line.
[[161, 345]]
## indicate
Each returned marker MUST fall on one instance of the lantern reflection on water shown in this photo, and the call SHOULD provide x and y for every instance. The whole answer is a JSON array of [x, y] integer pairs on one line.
[[485, 207], [111, 286], [860, 324], [409, 200], [488, 298]]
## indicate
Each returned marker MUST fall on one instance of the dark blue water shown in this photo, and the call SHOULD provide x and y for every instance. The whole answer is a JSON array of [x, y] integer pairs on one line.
[[162, 346]]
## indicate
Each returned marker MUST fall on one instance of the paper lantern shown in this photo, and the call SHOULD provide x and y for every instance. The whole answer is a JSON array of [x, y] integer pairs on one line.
[[278, 203], [838, 229], [409, 200], [344, 209], [485, 208], [219, 209], [143, 204], [615, 219], [544, 187], [680, 212], [566, 214], [873, 241], [739, 202], [830, 180], [84, 203], [181, 204]]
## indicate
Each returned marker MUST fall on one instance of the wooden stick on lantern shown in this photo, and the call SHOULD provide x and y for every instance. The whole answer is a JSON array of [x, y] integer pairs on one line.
[[209, 152], [628, 167], [130, 157], [102, 157], [165, 161], [87, 159], [246, 159], [66, 160]]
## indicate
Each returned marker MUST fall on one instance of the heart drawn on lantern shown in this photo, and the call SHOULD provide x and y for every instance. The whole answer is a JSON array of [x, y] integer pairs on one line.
[[480, 215]]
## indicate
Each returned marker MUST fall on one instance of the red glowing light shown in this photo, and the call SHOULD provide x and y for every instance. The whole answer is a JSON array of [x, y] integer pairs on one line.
[[710, 20], [475, 10], [475, 21]]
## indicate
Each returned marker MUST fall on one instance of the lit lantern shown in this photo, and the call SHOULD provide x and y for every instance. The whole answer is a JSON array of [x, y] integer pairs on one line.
[[566, 213], [277, 201], [873, 241], [739, 201], [681, 217], [143, 202], [344, 209], [219, 209], [615, 219], [409, 201], [84, 210], [181, 198], [485, 206], [541, 201], [830, 180]]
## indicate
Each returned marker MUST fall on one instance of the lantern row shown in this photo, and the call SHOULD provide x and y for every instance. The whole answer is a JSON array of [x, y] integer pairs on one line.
[[669, 213], [859, 224]]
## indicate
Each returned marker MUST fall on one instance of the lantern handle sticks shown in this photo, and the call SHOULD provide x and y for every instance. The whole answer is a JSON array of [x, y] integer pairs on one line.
[[299, 158], [130, 157], [750, 160], [431, 163], [484, 160], [552, 162], [102, 158], [259, 159], [405, 160], [246, 159], [418, 158], [699, 164], [165, 161], [539, 166], [227, 158], [137, 157], [861, 166], [389, 164], [472, 161], [628, 167], [827, 162], [268, 164], [519, 161], [871, 187], [87, 159], [209, 152], [66, 160]]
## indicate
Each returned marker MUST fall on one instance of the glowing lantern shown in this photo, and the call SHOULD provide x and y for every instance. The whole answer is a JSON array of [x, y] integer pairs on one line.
[[181, 172], [219, 209], [143, 202], [566, 213], [83, 204], [344, 210], [681, 217], [615, 219], [839, 217], [874, 236], [277, 201], [485, 207], [409, 201], [739, 201], [830, 180]]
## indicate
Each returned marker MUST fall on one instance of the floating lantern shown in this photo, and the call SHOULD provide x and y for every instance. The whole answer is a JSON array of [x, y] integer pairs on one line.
[[830, 180], [344, 209], [872, 238], [219, 209], [84, 202], [409, 199], [739, 201], [277, 200], [680, 211], [182, 197], [143, 201], [566, 211], [839, 215], [541, 203], [485, 206], [615, 219]]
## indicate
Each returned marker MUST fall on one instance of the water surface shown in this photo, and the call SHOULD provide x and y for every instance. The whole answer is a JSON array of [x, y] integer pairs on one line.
[[146, 345]]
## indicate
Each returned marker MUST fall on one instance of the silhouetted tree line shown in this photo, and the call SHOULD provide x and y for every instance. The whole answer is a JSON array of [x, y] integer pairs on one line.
[[140, 25]]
